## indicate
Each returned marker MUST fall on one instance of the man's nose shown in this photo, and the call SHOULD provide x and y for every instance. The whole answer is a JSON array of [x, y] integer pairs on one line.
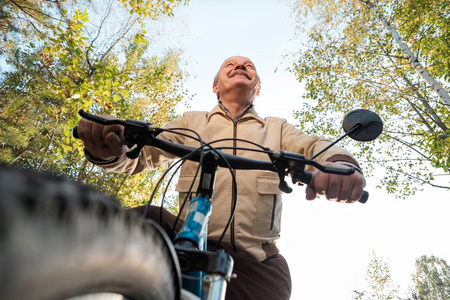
[[240, 66]]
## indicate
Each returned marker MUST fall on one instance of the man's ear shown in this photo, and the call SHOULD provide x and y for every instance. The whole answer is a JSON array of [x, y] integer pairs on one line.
[[257, 92], [216, 90]]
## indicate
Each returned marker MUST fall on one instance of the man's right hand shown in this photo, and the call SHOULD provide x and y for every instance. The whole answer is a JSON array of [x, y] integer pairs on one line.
[[101, 141]]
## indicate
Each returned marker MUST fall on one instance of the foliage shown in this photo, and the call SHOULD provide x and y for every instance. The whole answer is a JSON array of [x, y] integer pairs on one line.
[[431, 279], [63, 56], [350, 60], [379, 282], [23, 19], [152, 9]]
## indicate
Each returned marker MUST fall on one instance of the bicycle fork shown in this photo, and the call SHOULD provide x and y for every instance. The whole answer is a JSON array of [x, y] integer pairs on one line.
[[201, 268]]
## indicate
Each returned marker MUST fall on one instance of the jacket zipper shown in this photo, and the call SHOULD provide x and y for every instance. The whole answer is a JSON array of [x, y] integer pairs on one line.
[[233, 197]]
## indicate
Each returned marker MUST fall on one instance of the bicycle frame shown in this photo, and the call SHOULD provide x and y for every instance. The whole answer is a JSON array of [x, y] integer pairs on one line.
[[191, 241]]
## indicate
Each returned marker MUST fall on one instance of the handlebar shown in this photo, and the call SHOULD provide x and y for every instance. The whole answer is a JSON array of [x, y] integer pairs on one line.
[[137, 134]]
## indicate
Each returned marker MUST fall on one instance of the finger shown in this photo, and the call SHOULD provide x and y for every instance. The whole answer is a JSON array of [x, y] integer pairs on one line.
[[85, 131], [333, 189], [115, 128], [311, 193], [97, 134], [345, 192], [320, 182], [358, 189], [317, 185], [115, 144]]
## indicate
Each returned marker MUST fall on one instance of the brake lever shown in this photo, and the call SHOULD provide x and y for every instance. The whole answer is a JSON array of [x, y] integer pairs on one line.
[[98, 119], [136, 134], [294, 164], [283, 164]]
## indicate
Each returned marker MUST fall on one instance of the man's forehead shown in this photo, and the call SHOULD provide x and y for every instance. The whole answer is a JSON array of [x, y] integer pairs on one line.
[[238, 59]]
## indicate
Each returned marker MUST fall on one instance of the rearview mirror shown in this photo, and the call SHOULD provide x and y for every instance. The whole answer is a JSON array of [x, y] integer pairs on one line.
[[362, 125]]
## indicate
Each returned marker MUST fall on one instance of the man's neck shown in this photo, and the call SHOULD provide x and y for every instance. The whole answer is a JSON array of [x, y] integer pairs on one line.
[[236, 117], [236, 108]]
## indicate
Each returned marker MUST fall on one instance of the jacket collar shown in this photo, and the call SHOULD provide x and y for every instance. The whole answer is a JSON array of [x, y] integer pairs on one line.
[[250, 113]]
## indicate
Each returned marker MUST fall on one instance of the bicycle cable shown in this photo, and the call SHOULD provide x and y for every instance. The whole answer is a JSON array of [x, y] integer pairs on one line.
[[180, 161]]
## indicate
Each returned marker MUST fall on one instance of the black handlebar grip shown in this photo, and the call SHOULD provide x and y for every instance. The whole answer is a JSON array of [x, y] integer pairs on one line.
[[75, 132], [364, 197]]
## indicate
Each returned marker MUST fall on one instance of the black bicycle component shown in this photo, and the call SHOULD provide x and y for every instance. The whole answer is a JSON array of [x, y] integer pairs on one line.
[[236, 162], [217, 262], [285, 166], [369, 125], [364, 197], [361, 125], [208, 175], [352, 130], [138, 134]]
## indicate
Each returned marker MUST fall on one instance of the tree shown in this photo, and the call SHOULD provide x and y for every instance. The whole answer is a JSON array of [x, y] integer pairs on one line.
[[431, 279], [351, 60], [23, 19], [97, 58], [379, 282]]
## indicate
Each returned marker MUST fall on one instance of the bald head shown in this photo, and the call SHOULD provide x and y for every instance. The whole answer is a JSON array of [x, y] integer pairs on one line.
[[238, 65]]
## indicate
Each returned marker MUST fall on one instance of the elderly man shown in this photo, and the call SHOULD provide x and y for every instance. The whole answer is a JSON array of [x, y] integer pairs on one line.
[[251, 239]]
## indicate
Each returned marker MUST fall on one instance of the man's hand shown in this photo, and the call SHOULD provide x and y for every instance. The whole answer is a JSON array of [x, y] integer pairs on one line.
[[102, 142], [342, 188]]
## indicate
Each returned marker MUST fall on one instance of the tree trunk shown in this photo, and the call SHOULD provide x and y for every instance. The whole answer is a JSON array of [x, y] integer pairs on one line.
[[443, 95]]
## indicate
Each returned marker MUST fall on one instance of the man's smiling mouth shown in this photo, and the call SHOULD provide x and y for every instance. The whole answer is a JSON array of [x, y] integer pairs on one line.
[[239, 73]]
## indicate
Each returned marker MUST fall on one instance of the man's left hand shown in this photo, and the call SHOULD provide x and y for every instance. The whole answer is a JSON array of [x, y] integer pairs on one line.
[[341, 188]]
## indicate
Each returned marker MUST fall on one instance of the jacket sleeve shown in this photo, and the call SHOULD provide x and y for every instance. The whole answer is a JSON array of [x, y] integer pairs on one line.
[[295, 140]]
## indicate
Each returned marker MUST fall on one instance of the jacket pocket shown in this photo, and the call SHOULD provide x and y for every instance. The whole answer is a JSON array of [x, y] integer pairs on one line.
[[268, 213]]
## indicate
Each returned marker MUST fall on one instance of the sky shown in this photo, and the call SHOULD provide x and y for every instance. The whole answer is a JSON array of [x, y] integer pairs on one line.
[[328, 245]]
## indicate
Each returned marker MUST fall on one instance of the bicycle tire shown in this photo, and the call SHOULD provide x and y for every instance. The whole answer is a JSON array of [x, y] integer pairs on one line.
[[60, 239]]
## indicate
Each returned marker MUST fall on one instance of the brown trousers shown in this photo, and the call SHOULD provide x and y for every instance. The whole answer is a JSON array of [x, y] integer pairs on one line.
[[266, 280]]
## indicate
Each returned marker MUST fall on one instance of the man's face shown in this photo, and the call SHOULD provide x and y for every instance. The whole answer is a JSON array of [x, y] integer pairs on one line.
[[237, 72]]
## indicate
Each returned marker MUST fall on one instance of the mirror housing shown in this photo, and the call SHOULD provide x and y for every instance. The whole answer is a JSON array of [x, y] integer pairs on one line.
[[362, 125]]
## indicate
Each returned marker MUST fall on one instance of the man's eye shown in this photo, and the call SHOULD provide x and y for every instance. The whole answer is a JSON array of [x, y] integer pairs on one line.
[[250, 66]]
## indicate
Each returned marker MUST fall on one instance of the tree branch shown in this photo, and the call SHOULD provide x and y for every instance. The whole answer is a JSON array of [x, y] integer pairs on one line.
[[121, 36], [25, 8], [422, 99], [420, 179], [91, 68], [408, 145]]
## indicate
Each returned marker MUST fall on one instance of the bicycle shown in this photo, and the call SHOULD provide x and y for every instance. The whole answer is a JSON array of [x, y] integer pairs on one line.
[[98, 247]]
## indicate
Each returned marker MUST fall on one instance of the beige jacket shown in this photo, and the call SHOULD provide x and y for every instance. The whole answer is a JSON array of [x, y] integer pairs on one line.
[[258, 216]]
